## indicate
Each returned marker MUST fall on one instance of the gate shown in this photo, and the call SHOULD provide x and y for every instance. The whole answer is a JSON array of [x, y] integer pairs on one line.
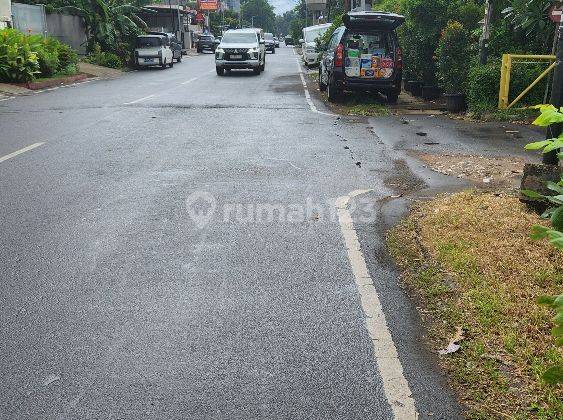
[[29, 19]]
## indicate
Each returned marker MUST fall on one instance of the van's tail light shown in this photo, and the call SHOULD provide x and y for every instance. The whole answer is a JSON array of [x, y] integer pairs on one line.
[[399, 59], [339, 55]]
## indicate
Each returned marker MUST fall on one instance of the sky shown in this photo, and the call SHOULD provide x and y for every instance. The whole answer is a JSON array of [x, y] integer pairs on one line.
[[281, 6]]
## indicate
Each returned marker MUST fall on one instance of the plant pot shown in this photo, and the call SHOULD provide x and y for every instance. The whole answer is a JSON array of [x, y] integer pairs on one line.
[[455, 102], [416, 88], [430, 93]]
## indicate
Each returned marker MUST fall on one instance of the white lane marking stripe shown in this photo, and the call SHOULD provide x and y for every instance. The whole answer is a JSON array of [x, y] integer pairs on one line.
[[307, 95], [306, 90], [139, 100], [395, 385], [19, 152], [189, 81]]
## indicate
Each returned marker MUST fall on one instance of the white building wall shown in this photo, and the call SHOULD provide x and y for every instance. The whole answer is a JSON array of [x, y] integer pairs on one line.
[[5, 13]]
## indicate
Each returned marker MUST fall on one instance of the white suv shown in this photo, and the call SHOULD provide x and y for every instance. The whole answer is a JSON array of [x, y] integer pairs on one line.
[[153, 50], [241, 49]]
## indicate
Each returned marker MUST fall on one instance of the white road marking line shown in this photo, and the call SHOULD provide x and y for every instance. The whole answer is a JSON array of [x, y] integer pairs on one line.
[[19, 152], [189, 81], [395, 385], [306, 90], [139, 100]]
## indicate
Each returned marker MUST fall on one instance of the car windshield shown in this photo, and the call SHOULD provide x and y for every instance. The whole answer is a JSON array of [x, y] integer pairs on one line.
[[269, 37], [312, 34], [240, 37], [147, 42]]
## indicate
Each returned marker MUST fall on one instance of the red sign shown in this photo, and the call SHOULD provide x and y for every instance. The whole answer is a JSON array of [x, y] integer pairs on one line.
[[199, 18], [556, 14], [208, 4]]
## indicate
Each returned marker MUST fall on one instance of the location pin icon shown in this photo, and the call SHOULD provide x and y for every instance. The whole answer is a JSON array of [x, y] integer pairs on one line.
[[201, 207]]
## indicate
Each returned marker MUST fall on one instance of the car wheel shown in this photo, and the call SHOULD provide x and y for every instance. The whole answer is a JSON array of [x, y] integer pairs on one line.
[[180, 58], [171, 63], [322, 86], [333, 93], [256, 70], [274, 51], [199, 50], [163, 64], [220, 71]]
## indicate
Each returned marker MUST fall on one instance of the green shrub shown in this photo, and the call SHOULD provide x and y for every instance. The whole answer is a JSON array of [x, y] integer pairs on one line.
[[103, 58], [394, 6], [323, 40], [23, 57], [48, 62], [425, 20], [68, 58], [466, 12], [484, 82], [451, 57], [110, 60], [18, 57]]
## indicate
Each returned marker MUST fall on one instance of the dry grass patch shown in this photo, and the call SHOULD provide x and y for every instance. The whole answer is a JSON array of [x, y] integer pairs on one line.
[[469, 259]]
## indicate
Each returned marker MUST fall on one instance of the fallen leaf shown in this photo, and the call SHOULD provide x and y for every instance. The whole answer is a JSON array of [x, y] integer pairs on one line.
[[453, 346], [50, 379]]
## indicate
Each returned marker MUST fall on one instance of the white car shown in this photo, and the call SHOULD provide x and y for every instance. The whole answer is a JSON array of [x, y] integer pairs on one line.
[[153, 50], [309, 44], [241, 49]]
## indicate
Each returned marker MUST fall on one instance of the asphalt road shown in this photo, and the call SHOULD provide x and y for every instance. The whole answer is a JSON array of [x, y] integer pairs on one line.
[[172, 250]]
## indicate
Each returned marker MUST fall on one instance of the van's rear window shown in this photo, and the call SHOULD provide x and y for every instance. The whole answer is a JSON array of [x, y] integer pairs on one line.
[[369, 55], [147, 42]]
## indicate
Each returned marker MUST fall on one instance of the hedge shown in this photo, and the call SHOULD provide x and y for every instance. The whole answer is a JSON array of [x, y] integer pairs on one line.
[[484, 83]]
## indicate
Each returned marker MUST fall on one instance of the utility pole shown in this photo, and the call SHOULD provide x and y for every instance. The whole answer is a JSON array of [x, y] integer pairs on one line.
[[179, 34], [172, 16], [484, 50], [555, 130]]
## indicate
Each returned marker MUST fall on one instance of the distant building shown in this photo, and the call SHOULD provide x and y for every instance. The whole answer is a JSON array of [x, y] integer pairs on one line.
[[359, 5], [233, 5]]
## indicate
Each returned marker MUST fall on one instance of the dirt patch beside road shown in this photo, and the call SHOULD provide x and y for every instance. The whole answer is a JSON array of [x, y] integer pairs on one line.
[[482, 170]]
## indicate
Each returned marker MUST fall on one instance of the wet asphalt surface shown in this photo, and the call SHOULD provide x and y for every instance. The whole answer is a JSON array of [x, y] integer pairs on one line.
[[119, 298]]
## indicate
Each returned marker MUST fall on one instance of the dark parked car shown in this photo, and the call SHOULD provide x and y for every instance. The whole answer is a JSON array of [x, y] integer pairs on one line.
[[206, 42], [288, 40], [363, 55], [269, 42], [175, 45]]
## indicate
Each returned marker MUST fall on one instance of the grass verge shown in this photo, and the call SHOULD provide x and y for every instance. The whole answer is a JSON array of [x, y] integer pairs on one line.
[[469, 260], [358, 103], [514, 115]]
